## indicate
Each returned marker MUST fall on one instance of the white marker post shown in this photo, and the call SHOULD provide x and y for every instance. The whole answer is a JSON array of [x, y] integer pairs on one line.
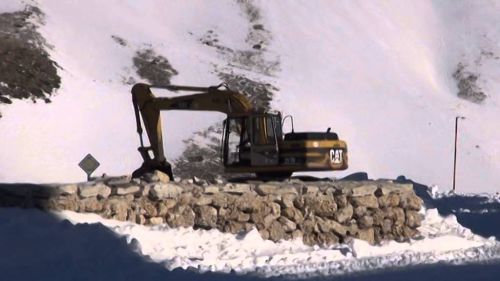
[[88, 164], [455, 154]]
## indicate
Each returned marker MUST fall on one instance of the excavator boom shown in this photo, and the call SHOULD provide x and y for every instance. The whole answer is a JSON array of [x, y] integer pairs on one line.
[[149, 107]]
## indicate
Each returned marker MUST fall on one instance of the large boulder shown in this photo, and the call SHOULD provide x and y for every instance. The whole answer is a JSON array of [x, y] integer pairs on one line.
[[276, 231], [116, 208], [386, 226], [265, 189], [287, 200], [126, 189], [341, 200], [365, 189], [293, 214], [390, 187], [344, 214], [322, 206], [310, 189], [360, 211], [206, 217], [203, 200], [366, 234], [68, 202], [164, 190], [365, 222], [398, 215], [90, 205], [211, 189], [94, 190], [155, 221], [118, 181], [308, 226], [234, 227], [327, 239], [228, 214], [220, 200], [249, 203], [238, 188], [150, 209], [287, 224], [369, 201], [88, 190], [157, 176], [413, 218], [389, 200], [378, 217], [327, 226], [68, 189], [411, 201], [181, 216]]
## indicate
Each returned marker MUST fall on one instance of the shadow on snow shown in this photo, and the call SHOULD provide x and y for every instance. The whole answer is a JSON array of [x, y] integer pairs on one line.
[[478, 213]]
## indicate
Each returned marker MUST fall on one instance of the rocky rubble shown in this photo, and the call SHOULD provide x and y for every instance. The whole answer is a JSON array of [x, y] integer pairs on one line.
[[321, 213]]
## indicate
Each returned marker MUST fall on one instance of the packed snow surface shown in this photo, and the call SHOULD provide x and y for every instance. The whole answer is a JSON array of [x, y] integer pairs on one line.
[[442, 240], [379, 73]]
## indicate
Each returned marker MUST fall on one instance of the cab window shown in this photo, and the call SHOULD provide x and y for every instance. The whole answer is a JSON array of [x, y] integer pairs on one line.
[[264, 128]]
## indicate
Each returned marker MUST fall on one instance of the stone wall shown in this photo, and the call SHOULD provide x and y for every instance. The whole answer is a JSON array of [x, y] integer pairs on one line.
[[322, 212]]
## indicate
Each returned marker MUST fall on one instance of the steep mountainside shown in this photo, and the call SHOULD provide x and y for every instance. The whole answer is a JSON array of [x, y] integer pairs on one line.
[[388, 77]]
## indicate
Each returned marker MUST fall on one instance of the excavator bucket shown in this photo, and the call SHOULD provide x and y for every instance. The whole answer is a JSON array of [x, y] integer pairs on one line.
[[150, 165]]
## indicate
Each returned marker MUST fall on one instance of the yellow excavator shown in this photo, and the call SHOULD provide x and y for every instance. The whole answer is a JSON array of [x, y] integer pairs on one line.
[[252, 140]]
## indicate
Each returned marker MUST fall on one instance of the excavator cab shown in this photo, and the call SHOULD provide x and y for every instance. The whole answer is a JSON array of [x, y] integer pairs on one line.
[[255, 143], [252, 140]]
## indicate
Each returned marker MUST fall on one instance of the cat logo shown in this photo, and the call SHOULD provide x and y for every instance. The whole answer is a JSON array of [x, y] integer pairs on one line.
[[336, 156]]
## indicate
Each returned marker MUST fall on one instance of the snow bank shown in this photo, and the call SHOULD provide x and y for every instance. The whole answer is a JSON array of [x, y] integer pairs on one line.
[[436, 194], [443, 241]]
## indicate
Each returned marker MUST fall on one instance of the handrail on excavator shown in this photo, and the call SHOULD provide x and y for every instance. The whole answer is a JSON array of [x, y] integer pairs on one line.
[[190, 88]]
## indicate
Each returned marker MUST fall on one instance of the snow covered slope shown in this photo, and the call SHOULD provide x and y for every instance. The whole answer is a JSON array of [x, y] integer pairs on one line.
[[384, 75]]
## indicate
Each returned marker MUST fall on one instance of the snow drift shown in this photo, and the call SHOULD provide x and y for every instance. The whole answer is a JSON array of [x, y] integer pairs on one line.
[[445, 241]]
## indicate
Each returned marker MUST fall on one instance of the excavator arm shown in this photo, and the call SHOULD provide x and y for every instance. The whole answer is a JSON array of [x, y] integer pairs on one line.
[[149, 107]]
